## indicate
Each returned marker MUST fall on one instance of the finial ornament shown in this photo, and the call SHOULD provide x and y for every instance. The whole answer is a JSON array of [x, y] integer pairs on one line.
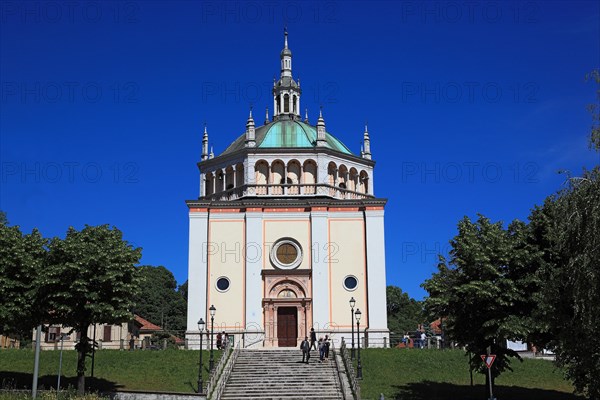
[[250, 131], [366, 153], [204, 154], [321, 139]]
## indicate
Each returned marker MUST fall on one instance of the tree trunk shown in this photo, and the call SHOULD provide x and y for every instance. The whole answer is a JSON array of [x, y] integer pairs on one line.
[[81, 354]]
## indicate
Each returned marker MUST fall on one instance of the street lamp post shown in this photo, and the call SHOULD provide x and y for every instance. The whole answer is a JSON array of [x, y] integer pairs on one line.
[[357, 314], [352, 303], [211, 362], [201, 324], [62, 341]]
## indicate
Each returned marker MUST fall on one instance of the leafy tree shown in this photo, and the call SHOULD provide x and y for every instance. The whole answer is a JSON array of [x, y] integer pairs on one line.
[[594, 109], [568, 227], [183, 290], [22, 259], [483, 291], [91, 278], [3, 218], [159, 301], [404, 313]]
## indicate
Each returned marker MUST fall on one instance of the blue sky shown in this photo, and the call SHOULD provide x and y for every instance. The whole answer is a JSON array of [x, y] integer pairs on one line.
[[472, 108]]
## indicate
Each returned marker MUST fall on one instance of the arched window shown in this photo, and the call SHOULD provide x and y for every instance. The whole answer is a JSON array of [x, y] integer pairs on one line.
[[261, 176], [287, 293], [208, 184], [293, 176], [309, 176], [294, 104], [277, 176], [286, 103], [220, 182], [353, 179], [364, 182], [229, 178], [342, 176], [331, 172], [239, 175]]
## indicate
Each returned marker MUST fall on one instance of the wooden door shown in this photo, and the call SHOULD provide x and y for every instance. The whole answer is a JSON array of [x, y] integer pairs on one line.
[[287, 326]]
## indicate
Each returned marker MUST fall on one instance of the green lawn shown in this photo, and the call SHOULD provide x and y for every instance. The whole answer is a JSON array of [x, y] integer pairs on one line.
[[411, 374], [406, 374], [168, 370]]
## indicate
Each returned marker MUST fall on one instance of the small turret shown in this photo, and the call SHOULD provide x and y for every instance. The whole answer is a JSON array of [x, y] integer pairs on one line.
[[250, 131], [366, 144], [321, 141], [204, 144]]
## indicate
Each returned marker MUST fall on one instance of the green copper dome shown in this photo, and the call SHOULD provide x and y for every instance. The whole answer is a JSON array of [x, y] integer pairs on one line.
[[287, 134]]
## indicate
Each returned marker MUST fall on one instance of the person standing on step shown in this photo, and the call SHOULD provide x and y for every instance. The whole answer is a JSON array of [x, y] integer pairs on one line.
[[305, 347], [219, 341], [326, 343], [313, 339], [321, 349]]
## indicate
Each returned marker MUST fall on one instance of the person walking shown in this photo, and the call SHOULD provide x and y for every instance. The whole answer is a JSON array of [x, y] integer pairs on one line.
[[219, 341], [313, 339], [326, 343], [305, 347], [321, 349]]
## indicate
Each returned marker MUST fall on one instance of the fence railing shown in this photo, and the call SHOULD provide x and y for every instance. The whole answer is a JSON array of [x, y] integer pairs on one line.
[[414, 341], [339, 368], [222, 381], [216, 372], [301, 190], [354, 386]]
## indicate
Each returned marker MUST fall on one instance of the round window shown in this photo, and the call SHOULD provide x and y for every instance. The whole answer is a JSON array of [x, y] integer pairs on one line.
[[350, 282], [223, 284], [286, 254]]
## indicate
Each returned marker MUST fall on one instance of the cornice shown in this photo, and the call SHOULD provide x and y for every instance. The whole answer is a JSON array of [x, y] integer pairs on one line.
[[279, 202]]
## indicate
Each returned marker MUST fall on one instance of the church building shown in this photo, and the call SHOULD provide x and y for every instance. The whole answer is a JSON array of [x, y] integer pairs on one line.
[[286, 231]]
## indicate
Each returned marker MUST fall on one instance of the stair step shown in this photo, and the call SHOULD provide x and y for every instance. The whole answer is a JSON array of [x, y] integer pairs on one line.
[[277, 374]]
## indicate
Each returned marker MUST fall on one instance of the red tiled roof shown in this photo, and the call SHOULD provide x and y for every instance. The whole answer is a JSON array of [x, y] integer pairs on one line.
[[147, 325], [177, 340], [436, 326]]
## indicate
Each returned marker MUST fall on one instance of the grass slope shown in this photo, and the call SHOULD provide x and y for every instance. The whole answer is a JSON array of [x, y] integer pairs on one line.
[[406, 374], [168, 370], [411, 374]]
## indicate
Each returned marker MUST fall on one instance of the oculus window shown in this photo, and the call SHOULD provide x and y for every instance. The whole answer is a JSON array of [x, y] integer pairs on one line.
[[286, 254], [350, 282], [223, 284]]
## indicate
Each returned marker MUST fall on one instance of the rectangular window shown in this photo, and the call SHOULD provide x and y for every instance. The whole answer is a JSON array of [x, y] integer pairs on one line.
[[107, 333], [53, 334]]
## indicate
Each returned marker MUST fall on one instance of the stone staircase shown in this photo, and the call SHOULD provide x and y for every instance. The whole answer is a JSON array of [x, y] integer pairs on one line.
[[280, 374]]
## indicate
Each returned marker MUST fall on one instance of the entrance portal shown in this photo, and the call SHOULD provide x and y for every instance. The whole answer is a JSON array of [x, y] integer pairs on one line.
[[287, 326]]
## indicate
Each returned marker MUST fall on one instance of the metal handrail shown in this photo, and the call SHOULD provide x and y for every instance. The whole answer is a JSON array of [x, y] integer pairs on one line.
[[226, 373], [339, 372], [216, 372], [350, 371]]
